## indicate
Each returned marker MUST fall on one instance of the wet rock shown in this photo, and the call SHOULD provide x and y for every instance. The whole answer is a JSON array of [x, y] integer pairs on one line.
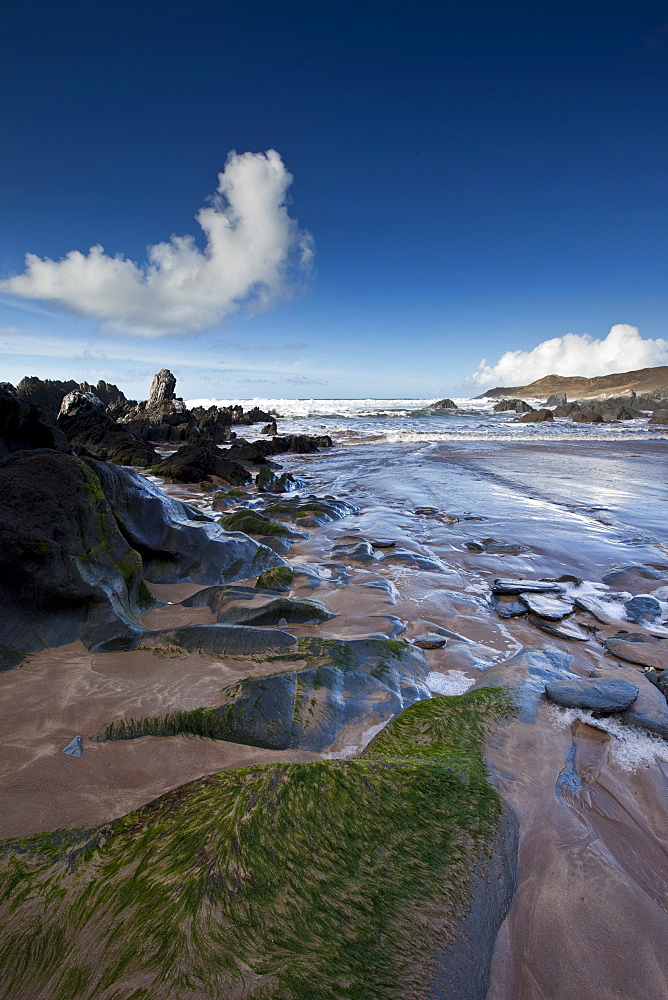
[[345, 681], [659, 417], [505, 585], [604, 611], [637, 648], [443, 404], [599, 694], [383, 543], [546, 607], [518, 405], [526, 673], [45, 393], [253, 522], [265, 479], [248, 606], [270, 428], [536, 416], [494, 547], [66, 571], [25, 425], [587, 417], [556, 399], [508, 609], [213, 640], [561, 630], [430, 641], [414, 560], [649, 711], [214, 424], [642, 609], [163, 417], [194, 462], [286, 483], [178, 544], [361, 551], [636, 577], [92, 433]]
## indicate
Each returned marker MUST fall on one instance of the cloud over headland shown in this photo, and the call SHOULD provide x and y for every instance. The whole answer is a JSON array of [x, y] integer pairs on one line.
[[254, 254], [622, 350]]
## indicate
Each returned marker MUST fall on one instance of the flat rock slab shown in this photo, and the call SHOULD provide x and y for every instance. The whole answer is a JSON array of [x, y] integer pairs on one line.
[[508, 609], [561, 630], [414, 559], [230, 640], [495, 547], [600, 694], [648, 654], [603, 611], [383, 543], [506, 586], [430, 641], [547, 607]]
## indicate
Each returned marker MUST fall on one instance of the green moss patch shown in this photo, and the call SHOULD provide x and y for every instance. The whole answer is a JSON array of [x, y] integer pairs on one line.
[[276, 578], [335, 880], [252, 523]]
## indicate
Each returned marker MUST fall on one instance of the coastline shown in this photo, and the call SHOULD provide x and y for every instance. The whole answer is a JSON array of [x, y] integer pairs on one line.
[[430, 502]]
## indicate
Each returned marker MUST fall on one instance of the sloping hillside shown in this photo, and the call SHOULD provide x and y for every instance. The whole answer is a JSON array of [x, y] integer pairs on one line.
[[645, 380]]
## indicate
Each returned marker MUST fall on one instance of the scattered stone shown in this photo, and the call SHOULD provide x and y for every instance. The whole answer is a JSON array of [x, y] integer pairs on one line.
[[599, 694], [493, 546], [430, 641], [546, 607], [383, 543], [642, 609], [508, 609]]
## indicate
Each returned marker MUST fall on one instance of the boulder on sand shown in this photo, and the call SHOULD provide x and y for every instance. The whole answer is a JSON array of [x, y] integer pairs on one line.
[[178, 544], [599, 694]]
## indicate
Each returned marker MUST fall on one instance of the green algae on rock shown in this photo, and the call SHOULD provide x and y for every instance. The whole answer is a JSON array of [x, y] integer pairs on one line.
[[327, 880]]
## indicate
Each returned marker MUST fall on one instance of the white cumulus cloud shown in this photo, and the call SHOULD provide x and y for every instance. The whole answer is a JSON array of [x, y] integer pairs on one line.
[[622, 350], [253, 254]]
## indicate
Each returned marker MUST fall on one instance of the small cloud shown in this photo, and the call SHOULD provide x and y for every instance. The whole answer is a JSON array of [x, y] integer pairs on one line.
[[254, 255], [622, 350]]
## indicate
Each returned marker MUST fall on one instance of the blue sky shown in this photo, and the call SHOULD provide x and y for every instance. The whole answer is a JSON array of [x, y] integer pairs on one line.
[[476, 179]]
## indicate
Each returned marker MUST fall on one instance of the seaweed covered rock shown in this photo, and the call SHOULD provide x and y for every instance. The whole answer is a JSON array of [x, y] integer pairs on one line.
[[24, 424], [66, 570], [195, 462], [92, 433], [178, 543], [410, 842], [312, 511]]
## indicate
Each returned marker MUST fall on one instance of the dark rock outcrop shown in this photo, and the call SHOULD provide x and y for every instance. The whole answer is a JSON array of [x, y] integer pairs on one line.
[[25, 425], [214, 424], [442, 404], [536, 416], [92, 433], [66, 571], [659, 417], [47, 393], [177, 543], [518, 405], [556, 399], [195, 462], [162, 417]]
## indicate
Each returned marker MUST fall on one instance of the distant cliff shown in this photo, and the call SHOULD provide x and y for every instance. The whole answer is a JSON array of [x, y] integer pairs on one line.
[[650, 381]]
